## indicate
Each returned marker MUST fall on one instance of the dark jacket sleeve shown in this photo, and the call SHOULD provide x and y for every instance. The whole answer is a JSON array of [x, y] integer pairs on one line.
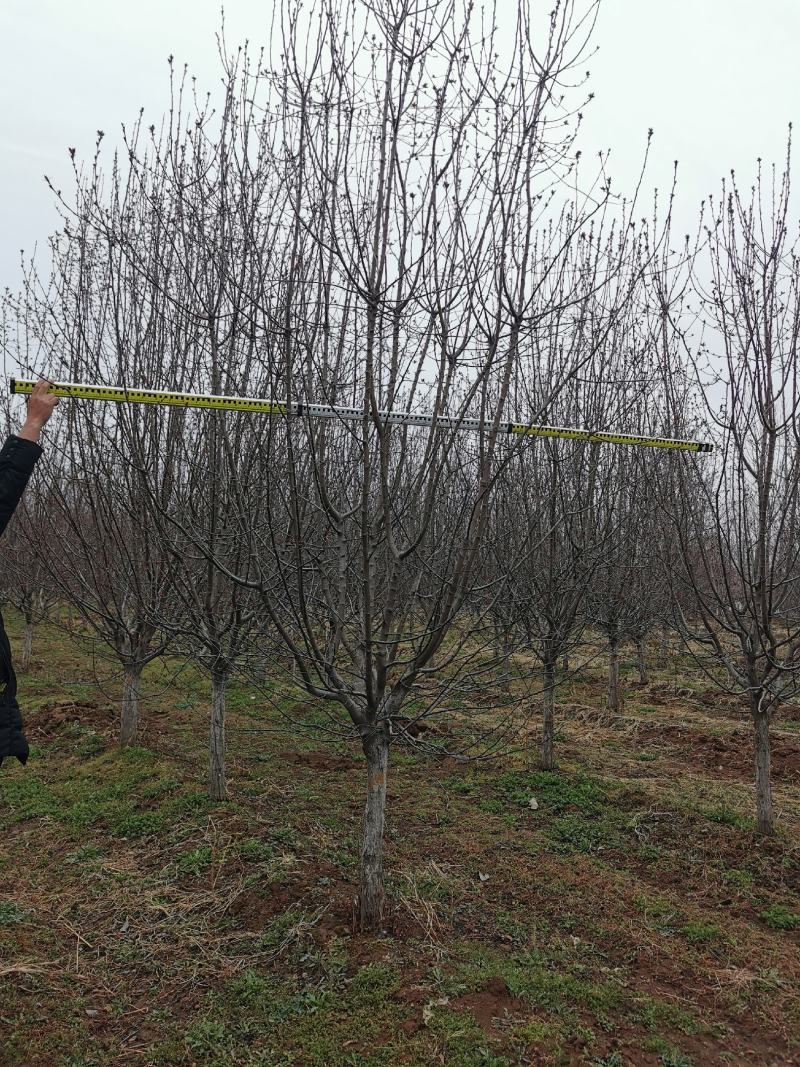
[[17, 460]]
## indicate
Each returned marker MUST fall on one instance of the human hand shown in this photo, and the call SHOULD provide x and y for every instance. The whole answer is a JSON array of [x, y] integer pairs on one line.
[[41, 405]]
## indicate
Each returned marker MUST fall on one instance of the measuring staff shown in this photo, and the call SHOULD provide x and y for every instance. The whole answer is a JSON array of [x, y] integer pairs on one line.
[[20, 453], [123, 395]]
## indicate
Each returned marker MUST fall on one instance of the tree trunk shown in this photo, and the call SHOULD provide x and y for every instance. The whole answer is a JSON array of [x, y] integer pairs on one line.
[[641, 663], [546, 752], [217, 783], [505, 681], [663, 658], [129, 717], [612, 702], [764, 815], [565, 663], [27, 647], [371, 896]]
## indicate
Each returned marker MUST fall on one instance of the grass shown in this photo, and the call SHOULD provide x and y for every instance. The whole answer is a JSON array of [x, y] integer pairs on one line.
[[727, 817], [631, 916], [780, 917]]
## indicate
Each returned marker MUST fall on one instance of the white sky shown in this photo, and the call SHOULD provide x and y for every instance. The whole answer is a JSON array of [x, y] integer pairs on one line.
[[718, 80]]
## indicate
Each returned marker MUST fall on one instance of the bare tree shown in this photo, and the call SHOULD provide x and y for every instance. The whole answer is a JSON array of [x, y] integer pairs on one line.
[[26, 582], [414, 280], [618, 604], [85, 319], [376, 222], [559, 489], [210, 618], [737, 522]]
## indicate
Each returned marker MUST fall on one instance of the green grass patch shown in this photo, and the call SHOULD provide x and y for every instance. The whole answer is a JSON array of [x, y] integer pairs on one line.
[[195, 862], [701, 933], [779, 917], [740, 879], [255, 851], [128, 792], [11, 913], [462, 1041], [86, 855], [554, 791], [728, 817]]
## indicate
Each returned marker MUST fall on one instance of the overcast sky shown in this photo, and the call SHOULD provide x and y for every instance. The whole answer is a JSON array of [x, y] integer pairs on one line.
[[718, 80]]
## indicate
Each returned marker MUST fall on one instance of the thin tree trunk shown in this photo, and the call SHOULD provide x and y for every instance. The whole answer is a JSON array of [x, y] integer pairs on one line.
[[663, 658], [565, 663], [27, 646], [764, 816], [641, 662], [505, 681], [546, 752], [371, 896], [217, 782], [612, 702], [129, 716]]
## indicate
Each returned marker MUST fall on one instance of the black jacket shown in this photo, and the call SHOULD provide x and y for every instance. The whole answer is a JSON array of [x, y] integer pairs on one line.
[[17, 460]]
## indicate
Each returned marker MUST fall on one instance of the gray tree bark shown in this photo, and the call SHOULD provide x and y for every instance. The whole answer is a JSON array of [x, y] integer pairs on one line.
[[371, 896], [547, 751], [612, 701], [663, 656], [27, 647], [129, 714], [764, 814], [641, 662], [217, 781]]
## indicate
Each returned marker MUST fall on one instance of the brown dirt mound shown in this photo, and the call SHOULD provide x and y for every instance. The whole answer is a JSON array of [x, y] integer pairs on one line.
[[256, 908], [49, 719], [727, 755], [490, 1004], [328, 902], [318, 761]]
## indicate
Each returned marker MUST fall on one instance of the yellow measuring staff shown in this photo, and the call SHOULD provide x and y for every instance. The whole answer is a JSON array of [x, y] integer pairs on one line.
[[123, 395]]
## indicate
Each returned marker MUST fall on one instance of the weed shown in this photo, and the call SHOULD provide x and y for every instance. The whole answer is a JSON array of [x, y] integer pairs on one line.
[[195, 862], [728, 817], [136, 824], [701, 933], [779, 917], [553, 790], [674, 1057], [650, 853], [462, 1039], [660, 913], [208, 1037], [373, 983], [462, 786], [87, 854], [255, 851], [737, 878], [11, 913]]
